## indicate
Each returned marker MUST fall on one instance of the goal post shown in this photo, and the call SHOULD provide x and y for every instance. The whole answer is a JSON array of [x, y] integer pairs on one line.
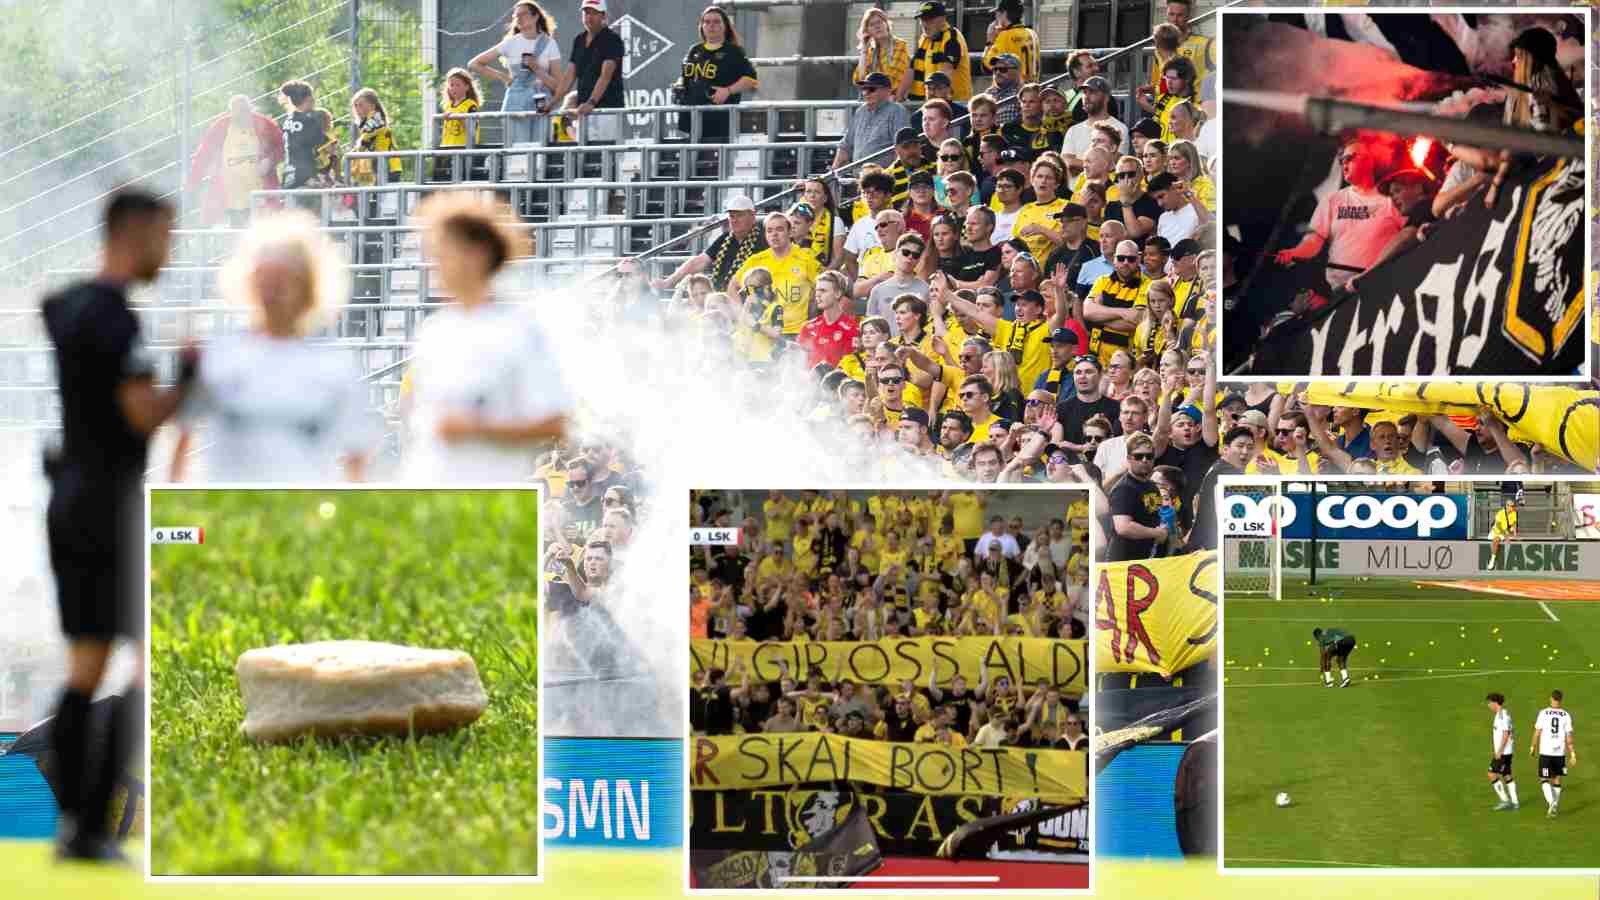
[[1252, 540]]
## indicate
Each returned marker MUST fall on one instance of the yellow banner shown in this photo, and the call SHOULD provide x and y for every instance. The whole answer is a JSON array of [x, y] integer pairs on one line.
[[1562, 420], [1156, 615], [888, 661], [770, 760]]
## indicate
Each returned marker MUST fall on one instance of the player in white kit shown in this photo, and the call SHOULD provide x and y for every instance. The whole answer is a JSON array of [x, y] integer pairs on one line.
[[487, 391], [1355, 222], [1502, 741], [1552, 743], [278, 407]]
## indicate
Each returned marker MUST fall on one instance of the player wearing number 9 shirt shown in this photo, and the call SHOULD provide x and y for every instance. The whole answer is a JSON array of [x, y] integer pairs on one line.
[[1552, 742]]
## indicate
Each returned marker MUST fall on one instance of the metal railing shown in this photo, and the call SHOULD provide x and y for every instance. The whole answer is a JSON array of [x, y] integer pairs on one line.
[[780, 121]]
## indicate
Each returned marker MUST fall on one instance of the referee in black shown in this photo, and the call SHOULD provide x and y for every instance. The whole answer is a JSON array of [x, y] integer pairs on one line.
[[109, 407]]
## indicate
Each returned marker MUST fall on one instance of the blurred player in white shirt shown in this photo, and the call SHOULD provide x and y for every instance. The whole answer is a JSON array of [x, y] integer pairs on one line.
[[278, 407], [487, 392], [1355, 222], [1552, 743], [1502, 739]]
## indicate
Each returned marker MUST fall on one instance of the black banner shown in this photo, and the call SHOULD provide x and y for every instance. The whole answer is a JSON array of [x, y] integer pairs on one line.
[[905, 824], [836, 851], [1490, 292]]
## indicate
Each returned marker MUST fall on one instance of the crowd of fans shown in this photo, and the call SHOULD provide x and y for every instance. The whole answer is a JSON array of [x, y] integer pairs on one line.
[[596, 495], [841, 566]]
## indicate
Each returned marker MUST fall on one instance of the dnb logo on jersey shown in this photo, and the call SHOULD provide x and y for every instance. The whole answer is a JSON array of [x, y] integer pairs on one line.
[[1388, 517]]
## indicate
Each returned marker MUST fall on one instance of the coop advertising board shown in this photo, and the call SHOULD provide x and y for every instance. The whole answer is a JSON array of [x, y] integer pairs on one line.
[[1383, 517], [1416, 559]]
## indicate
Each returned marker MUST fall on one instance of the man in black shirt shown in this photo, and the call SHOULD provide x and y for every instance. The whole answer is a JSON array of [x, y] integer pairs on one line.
[[711, 710], [1183, 443], [1136, 505], [1238, 446], [979, 256], [596, 63], [109, 408], [727, 253], [1135, 209], [1087, 401], [1075, 249]]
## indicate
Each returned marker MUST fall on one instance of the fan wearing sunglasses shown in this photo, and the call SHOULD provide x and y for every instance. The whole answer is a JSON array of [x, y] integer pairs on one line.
[[1136, 505], [1292, 440], [908, 252], [1112, 305]]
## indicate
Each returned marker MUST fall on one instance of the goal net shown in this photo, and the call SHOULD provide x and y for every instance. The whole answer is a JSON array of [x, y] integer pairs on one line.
[[1252, 541]]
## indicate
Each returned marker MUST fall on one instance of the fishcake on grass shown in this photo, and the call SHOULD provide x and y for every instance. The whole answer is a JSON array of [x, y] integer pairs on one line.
[[353, 688]]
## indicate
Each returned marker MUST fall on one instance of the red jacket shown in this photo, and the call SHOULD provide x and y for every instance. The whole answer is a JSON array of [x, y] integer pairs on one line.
[[206, 172]]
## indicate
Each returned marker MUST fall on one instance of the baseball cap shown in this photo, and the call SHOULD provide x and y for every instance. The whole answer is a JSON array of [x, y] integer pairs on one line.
[[920, 179], [907, 136], [1062, 336], [1096, 83], [803, 209], [875, 79], [738, 203], [1072, 211], [1031, 297], [939, 78], [1148, 127], [1185, 247], [599, 5], [931, 8], [916, 415], [1190, 410], [1052, 89], [1255, 418], [1012, 155], [1006, 60], [1014, 7], [1233, 397]]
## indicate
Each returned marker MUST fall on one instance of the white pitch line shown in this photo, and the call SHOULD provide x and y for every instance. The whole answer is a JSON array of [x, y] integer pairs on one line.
[[1420, 669], [1229, 601], [1314, 862], [1548, 612], [1380, 681], [1227, 618]]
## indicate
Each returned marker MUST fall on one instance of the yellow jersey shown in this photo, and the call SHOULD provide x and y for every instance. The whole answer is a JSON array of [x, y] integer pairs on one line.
[[794, 277], [1028, 344], [934, 52], [455, 130], [1020, 41], [1039, 214], [980, 433], [1104, 341], [966, 510], [1505, 521], [1396, 466], [780, 519]]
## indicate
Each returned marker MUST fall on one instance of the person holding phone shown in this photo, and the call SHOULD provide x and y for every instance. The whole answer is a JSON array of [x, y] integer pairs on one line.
[[532, 69]]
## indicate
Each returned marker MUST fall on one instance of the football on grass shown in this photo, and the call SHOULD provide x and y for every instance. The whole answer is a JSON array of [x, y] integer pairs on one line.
[[1283, 799]]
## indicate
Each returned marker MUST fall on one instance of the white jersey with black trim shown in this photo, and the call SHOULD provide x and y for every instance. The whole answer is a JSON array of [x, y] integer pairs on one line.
[[1503, 730], [1553, 726]]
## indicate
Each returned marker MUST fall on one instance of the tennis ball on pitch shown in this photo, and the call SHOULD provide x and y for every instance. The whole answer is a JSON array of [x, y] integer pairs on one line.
[[327, 510]]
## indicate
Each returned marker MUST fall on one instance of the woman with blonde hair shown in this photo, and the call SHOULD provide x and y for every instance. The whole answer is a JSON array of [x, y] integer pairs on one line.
[[1118, 380], [1183, 161], [488, 391], [880, 50], [1001, 370], [278, 407], [1158, 329]]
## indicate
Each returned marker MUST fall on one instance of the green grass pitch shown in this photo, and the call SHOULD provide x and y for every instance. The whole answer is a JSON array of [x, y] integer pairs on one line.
[[1392, 770], [449, 569]]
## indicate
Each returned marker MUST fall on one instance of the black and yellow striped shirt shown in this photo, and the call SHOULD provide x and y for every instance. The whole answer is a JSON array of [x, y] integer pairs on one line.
[[901, 174], [948, 48], [1104, 341], [1186, 299]]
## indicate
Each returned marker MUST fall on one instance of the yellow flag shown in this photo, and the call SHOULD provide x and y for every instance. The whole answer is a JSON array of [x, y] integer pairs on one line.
[[1156, 615]]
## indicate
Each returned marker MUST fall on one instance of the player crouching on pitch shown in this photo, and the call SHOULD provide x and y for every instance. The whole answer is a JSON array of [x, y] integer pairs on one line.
[[1336, 646], [1504, 735], [1505, 526], [1552, 743]]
